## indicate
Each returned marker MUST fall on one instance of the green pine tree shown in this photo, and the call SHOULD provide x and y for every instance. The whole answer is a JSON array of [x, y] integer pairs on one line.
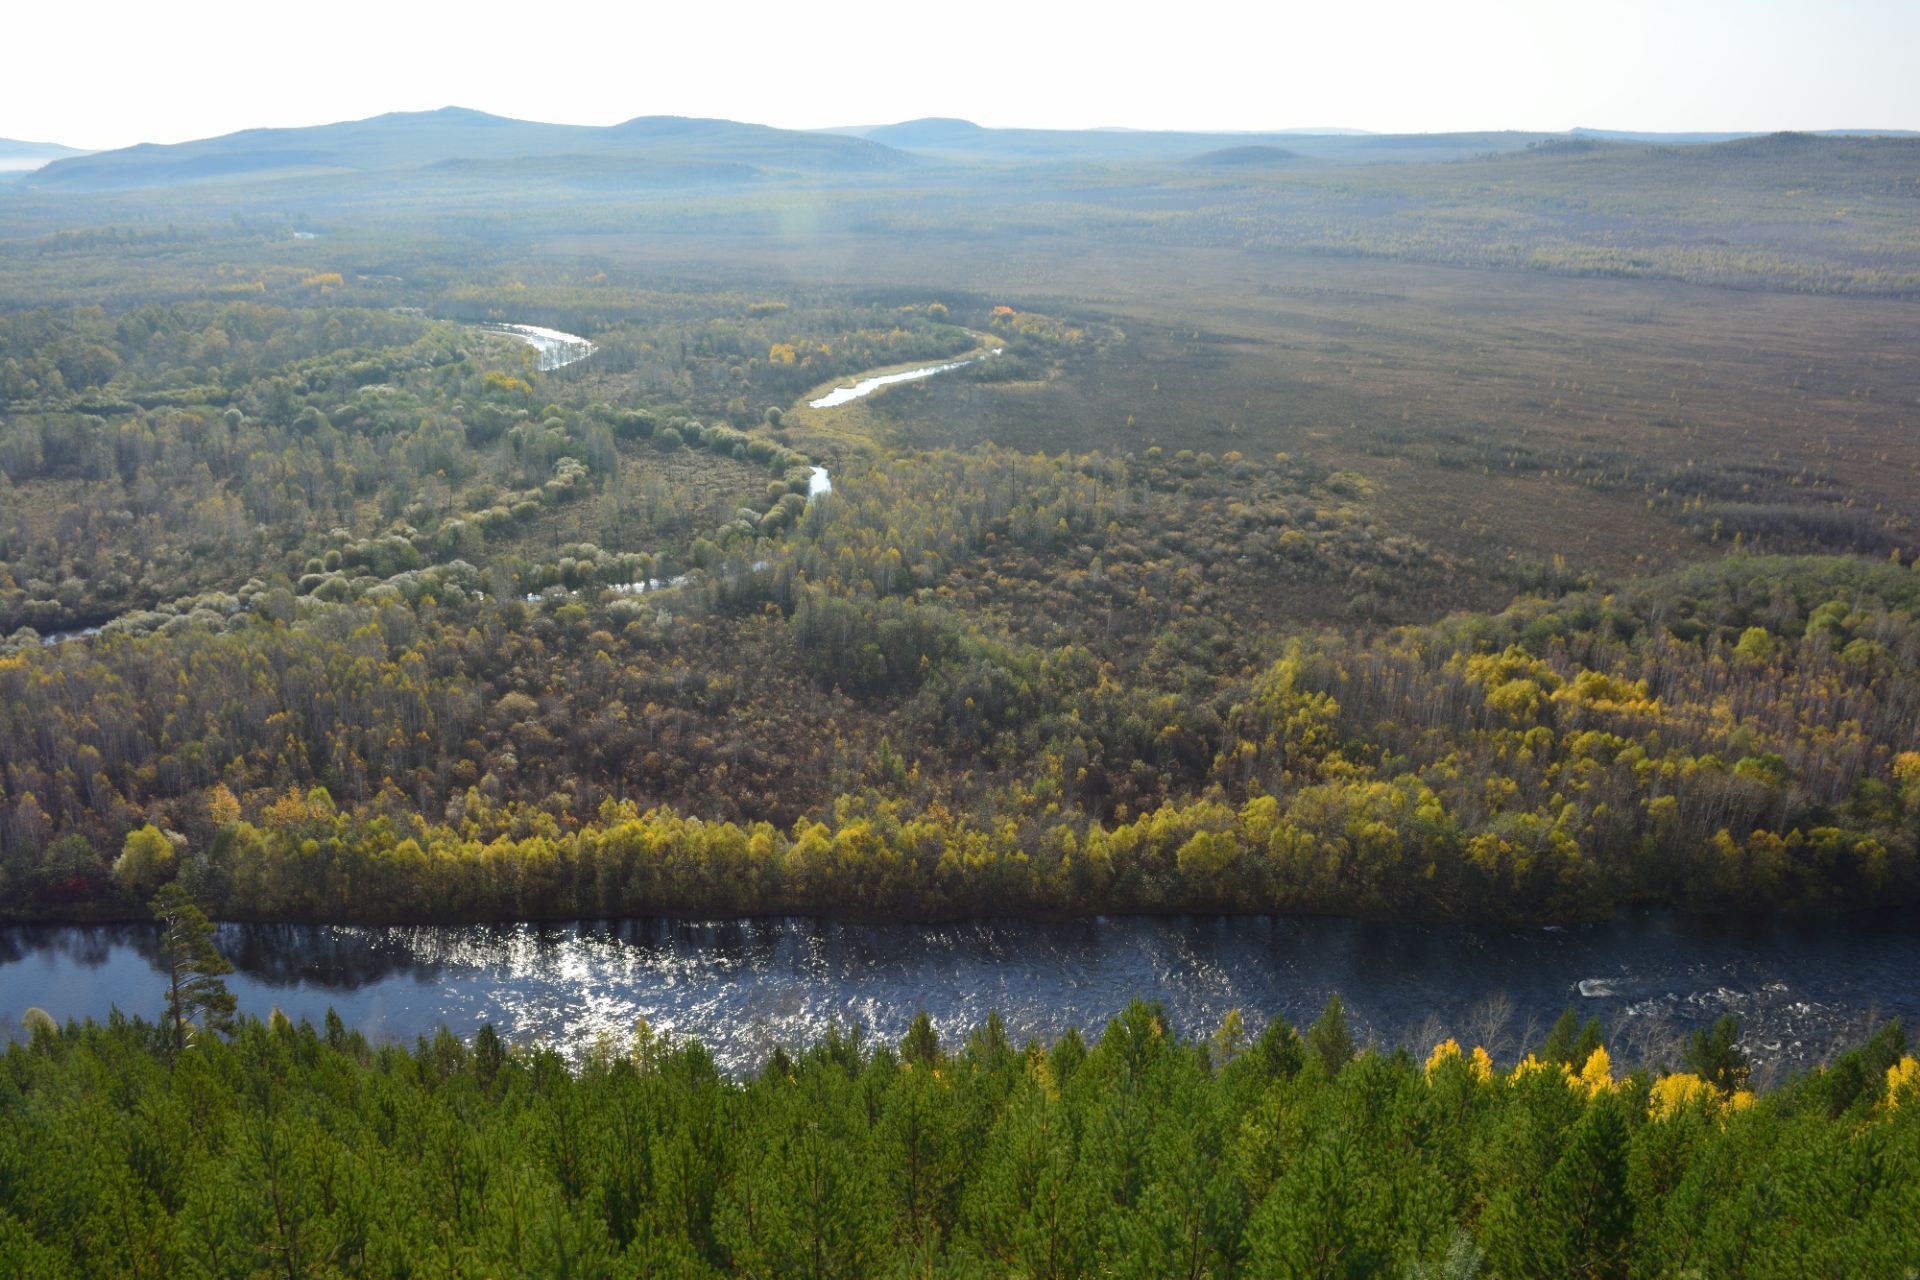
[[1714, 1055], [1587, 1224], [922, 1045], [196, 996], [1329, 1038], [1558, 1046]]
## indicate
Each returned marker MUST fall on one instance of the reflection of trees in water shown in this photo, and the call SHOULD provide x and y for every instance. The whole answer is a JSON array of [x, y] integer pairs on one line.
[[88, 946], [284, 955], [277, 954]]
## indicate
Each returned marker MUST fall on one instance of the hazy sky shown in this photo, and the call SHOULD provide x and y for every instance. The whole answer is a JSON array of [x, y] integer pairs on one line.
[[113, 73]]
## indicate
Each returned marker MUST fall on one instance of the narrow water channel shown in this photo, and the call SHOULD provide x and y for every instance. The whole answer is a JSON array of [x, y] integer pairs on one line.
[[556, 349], [867, 386]]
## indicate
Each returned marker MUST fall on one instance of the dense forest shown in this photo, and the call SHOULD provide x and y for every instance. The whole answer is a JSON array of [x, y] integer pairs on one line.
[[1249, 574], [299, 1151], [1727, 735]]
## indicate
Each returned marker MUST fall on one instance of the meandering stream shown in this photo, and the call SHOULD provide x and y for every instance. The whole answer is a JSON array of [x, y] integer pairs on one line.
[[867, 386], [556, 349]]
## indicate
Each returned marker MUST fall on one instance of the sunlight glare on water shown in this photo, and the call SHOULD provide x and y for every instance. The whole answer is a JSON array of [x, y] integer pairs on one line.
[[744, 986]]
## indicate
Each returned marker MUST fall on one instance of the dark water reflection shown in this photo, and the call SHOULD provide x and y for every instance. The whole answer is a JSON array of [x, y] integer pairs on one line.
[[746, 985]]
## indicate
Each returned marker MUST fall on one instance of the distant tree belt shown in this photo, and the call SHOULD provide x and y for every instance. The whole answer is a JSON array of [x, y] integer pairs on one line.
[[1555, 761], [291, 1151], [1373, 848]]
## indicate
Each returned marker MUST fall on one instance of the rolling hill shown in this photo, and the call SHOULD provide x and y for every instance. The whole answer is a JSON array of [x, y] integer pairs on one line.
[[403, 141], [1231, 157], [1677, 139], [964, 141], [16, 155]]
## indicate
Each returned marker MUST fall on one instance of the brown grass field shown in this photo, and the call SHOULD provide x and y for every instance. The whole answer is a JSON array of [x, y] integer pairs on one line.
[[1500, 413]]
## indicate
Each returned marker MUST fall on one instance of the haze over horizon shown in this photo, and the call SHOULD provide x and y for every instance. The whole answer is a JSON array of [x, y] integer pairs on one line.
[[1397, 67]]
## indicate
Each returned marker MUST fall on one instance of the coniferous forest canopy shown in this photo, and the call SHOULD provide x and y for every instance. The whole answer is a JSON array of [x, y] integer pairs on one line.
[[303, 1151], [1498, 527]]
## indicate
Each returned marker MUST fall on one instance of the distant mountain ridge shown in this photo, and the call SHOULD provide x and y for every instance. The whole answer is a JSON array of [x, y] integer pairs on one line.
[[16, 154], [416, 140], [1629, 135], [405, 149], [950, 138]]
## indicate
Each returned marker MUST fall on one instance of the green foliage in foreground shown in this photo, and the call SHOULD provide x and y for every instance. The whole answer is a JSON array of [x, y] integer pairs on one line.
[[292, 1152]]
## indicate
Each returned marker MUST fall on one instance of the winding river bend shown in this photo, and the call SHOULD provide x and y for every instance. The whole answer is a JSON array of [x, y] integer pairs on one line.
[[745, 985], [867, 386], [556, 350]]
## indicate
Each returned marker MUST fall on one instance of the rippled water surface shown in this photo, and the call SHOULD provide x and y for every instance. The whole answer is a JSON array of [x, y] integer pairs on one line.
[[746, 985]]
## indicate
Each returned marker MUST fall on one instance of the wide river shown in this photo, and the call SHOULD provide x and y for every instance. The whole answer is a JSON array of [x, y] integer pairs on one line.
[[745, 985]]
